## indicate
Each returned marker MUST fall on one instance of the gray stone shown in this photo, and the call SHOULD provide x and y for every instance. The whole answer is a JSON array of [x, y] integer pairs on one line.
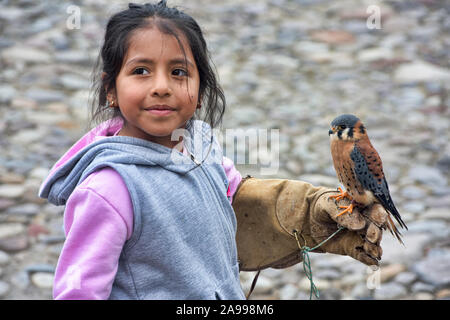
[[408, 99], [413, 192], [26, 54], [41, 25], [6, 203], [420, 71], [11, 190], [434, 269], [27, 209], [4, 258], [436, 228], [422, 287], [438, 202], [74, 82], [428, 176], [4, 289], [14, 243], [320, 180], [11, 13], [360, 291], [373, 54], [39, 173], [51, 239], [423, 296], [6, 94], [247, 115], [40, 268], [329, 274], [20, 280], [394, 252], [289, 292], [390, 290], [414, 206], [11, 229], [436, 213], [405, 278], [331, 293], [44, 95], [42, 280], [25, 137], [73, 56]]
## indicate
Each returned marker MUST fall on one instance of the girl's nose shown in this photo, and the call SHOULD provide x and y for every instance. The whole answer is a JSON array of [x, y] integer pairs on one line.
[[161, 86]]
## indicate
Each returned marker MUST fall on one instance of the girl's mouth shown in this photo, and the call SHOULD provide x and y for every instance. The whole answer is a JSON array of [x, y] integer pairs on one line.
[[160, 110]]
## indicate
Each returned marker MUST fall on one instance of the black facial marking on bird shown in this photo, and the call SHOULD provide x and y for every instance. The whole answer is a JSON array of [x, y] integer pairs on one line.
[[362, 129], [350, 132]]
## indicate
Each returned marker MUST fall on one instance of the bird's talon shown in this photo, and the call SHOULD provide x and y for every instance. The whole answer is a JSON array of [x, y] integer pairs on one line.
[[342, 195], [348, 209]]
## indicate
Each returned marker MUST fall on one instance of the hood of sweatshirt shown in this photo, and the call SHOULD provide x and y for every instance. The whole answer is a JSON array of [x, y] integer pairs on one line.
[[71, 169]]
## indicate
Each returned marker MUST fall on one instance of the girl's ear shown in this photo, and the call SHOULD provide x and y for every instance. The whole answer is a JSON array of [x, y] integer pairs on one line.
[[110, 94], [199, 102]]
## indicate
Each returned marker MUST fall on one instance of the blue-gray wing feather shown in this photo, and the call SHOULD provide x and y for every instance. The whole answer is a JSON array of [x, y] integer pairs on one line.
[[379, 186]]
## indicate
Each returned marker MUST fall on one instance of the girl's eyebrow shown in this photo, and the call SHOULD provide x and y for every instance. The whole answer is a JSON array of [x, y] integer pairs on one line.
[[152, 62]]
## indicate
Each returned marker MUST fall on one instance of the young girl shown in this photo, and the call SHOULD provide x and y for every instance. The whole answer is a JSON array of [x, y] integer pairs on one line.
[[138, 224], [148, 192]]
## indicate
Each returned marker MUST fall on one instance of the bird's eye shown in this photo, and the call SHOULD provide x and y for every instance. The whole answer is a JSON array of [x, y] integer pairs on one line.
[[341, 127]]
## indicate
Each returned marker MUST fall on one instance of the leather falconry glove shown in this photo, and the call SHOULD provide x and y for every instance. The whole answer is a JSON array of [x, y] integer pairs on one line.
[[270, 211]]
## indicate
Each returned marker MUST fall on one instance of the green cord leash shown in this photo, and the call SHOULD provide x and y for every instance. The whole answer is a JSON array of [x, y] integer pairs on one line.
[[306, 261]]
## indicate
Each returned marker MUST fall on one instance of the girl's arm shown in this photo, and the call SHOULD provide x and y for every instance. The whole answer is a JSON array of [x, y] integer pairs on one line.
[[234, 177], [97, 224]]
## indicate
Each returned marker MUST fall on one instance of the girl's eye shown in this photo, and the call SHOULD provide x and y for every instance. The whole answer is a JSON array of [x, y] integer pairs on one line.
[[179, 73], [140, 71]]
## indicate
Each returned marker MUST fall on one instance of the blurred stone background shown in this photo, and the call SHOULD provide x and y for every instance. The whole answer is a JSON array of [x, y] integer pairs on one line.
[[291, 65]]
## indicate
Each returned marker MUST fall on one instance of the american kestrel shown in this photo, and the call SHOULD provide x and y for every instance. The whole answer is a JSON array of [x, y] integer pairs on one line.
[[359, 169]]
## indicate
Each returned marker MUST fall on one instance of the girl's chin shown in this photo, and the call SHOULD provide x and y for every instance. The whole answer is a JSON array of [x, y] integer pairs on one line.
[[165, 136], [168, 139]]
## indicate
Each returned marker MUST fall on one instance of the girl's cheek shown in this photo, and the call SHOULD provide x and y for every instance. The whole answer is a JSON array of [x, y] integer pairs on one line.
[[132, 93]]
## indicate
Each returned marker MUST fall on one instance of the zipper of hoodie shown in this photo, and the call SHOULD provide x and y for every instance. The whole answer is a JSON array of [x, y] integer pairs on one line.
[[227, 221]]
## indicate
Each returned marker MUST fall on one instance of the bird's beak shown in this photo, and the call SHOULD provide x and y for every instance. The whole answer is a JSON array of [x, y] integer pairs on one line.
[[330, 132]]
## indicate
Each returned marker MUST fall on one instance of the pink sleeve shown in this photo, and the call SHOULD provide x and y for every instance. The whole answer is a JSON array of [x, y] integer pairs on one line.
[[96, 226], [234, 177]]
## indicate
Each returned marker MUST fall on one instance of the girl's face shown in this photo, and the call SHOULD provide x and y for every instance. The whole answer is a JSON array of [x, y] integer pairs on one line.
[[155, 90]]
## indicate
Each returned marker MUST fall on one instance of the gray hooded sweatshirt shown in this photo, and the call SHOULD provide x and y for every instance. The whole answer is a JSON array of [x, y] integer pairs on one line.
[[183, 243]]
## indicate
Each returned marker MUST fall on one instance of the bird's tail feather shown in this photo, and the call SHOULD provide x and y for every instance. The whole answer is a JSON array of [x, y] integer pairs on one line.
[[393, 229], [397, 216], [389, 205]]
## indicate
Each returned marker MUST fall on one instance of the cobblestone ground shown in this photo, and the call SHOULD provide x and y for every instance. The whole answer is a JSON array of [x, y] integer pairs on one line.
[[291, 65]]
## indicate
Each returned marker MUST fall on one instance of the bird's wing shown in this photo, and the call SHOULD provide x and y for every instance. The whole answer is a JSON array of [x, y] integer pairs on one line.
[[369, 171]]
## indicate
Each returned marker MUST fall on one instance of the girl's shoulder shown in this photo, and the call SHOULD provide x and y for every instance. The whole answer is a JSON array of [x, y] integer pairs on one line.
[[110, 186], [101, 181]]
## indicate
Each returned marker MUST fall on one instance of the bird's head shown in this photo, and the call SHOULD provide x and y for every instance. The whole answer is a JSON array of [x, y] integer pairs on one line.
[[347, 127]]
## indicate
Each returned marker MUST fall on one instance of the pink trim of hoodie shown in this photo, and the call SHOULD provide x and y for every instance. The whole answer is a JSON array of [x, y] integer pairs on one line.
[[98, 219]]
